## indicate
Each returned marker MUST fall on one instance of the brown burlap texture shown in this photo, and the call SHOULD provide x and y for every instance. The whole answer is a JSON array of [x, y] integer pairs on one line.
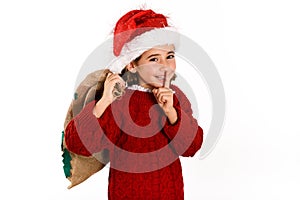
[[82, 167]]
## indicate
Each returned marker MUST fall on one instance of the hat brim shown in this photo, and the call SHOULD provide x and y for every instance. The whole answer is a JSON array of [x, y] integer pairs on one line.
[[142, 43]]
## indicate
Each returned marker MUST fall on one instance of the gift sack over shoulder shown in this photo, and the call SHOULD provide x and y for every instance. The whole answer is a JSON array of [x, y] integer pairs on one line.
[[78, 168]]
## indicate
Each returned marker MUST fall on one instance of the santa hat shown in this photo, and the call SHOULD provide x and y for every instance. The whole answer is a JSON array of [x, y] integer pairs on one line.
[[138, 31]]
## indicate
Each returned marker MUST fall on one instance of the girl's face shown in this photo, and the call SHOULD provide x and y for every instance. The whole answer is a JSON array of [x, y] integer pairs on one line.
[[154, 64]]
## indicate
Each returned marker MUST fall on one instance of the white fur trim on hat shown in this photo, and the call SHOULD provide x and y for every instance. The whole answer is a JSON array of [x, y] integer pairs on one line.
[[142, 43]]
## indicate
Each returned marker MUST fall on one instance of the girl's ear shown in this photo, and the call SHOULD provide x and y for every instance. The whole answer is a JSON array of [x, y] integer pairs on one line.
[[131, 67]]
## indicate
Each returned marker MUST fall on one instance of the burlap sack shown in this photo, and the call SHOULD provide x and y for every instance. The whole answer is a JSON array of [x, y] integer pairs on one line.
[[78, 168]]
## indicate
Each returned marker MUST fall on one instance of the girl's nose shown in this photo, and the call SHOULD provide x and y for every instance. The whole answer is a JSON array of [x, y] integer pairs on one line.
[[165, 68], [163, 62]]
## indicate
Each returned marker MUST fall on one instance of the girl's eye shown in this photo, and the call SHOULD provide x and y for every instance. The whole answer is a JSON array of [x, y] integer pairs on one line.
[[171, 56], [153, 60]]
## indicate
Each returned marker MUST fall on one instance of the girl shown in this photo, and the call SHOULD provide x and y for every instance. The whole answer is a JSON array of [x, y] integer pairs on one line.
[[150, 125]]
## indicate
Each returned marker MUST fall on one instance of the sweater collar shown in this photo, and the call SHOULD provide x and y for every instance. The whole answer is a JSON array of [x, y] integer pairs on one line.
[[142, 89], [139, 88]]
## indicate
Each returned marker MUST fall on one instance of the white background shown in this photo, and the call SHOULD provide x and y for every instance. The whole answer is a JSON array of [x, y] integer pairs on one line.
[[254, 45]]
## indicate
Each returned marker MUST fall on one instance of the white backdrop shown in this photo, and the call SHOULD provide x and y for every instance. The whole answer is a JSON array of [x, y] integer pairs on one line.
[[254, 45]]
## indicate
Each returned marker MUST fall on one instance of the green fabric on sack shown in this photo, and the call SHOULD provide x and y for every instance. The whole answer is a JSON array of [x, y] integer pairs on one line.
[[67, 163], [75, 96], [66, 158]]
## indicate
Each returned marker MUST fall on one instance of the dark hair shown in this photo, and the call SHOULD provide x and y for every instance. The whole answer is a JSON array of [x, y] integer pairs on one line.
[[129, 77]]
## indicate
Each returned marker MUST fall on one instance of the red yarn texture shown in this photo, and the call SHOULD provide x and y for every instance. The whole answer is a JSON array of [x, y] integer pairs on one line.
[[144, 147]]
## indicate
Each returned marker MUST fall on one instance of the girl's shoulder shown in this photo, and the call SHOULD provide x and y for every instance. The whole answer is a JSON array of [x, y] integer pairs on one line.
[[180, 96], [177, 91]]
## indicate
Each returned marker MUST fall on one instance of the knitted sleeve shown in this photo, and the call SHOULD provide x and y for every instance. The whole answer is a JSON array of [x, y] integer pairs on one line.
[[84, 135], [186, 135]]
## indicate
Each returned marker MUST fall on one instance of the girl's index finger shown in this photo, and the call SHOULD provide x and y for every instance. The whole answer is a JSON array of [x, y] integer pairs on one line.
[[165, 79]]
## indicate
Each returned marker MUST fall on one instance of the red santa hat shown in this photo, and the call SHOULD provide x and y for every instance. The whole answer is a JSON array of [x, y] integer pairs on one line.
[[138, 31]]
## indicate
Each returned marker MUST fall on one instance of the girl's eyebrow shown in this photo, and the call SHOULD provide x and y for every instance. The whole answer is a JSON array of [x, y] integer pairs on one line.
[[152, 55]]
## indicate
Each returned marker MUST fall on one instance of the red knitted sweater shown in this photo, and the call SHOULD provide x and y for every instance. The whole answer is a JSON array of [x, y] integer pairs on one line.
[[144, 147]]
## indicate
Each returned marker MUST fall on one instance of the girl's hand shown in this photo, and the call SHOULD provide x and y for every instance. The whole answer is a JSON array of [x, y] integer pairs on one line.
[[108, 97], [164, 98], [109, 85]]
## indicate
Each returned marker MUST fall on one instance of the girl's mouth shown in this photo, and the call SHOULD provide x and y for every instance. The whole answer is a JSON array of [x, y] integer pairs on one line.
[[161, 77]]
